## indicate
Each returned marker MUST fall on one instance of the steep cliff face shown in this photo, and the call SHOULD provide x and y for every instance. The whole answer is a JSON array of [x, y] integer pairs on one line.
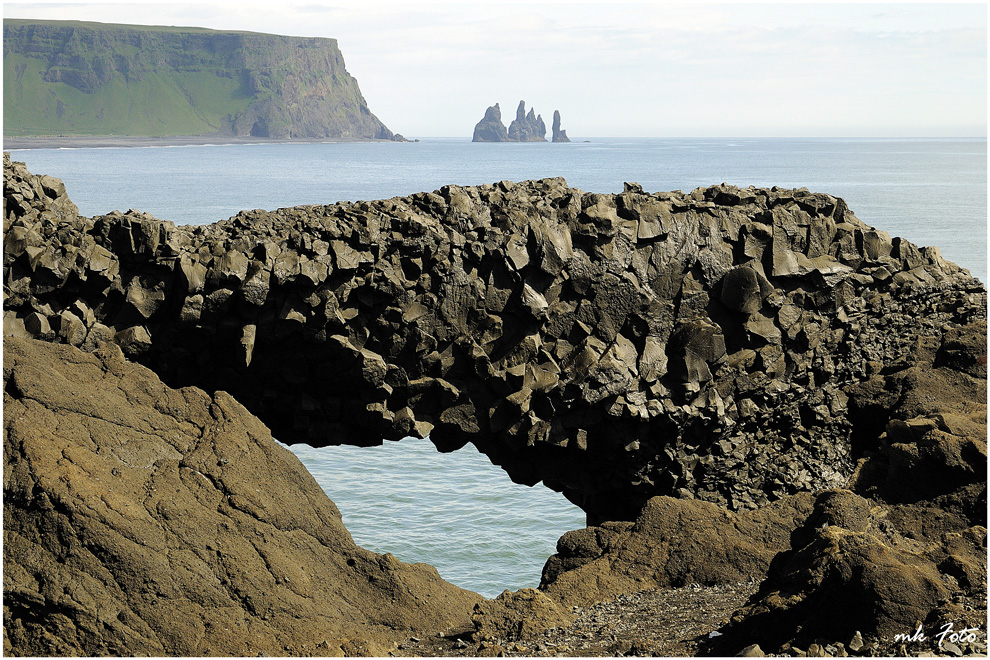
[[616, 347], [68, 77]]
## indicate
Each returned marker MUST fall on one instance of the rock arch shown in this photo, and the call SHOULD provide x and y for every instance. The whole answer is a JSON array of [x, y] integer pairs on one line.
[[613, 346]]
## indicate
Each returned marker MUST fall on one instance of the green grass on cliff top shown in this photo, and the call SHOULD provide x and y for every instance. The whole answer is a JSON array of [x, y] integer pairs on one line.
[[159, 101], [179, 103]]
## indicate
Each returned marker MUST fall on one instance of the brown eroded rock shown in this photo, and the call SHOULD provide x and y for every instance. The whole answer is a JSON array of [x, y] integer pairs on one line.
[[850, 569], [933, 414], [673, 543], [514, 615], [144, 520], [909, 545]]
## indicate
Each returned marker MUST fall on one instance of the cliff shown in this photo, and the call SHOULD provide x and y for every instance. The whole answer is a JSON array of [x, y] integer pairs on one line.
[[78, 78]]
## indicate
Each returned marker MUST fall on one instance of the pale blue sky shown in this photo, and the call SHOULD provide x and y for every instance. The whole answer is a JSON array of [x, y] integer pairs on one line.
[[633, 69]]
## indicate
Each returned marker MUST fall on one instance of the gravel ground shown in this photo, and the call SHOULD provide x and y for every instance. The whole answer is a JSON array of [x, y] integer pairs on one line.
[[664, 623], [668, 622]]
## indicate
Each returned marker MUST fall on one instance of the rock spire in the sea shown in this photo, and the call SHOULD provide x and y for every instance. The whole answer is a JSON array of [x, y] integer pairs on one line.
[[559, 135], [491, 128], [527, 127]]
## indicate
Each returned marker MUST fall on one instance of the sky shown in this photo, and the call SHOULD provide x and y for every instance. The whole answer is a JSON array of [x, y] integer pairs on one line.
[[644, 69]]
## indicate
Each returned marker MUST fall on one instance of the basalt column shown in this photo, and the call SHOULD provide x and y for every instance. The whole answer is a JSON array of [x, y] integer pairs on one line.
[[612, 346]]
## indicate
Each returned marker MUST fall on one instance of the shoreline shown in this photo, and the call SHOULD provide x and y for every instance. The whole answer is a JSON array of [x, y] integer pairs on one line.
[[14, 143]]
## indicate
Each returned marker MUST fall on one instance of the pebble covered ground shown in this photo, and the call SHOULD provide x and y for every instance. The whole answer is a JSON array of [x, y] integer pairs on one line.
[[664, 623], [669, 622]]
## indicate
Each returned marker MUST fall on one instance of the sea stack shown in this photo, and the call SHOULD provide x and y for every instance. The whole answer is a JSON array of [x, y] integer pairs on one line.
[[559, 135], [527, 127], [491, 128]]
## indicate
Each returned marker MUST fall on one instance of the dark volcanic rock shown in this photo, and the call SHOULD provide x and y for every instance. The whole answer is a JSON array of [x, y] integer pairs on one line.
[[558, 134], [491, 128], [909, 545], [615, 347], [142, 520], [527, 127]]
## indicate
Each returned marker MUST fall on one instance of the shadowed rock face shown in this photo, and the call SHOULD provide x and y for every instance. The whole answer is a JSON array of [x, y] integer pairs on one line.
[[616, 347]]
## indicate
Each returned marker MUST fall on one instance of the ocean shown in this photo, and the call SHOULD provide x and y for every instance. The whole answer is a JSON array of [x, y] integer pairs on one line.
[[457, 511]]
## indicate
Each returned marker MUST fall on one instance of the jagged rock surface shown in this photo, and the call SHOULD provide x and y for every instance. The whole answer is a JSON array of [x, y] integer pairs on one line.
[[904, 543], [616, 347], [524, 128], [673, 543], [527, 127], [142, 520], [907, 543], [558, 134], [491, 128]]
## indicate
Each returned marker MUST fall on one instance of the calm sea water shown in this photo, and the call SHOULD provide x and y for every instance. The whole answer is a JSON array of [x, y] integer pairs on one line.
[[457, 511]]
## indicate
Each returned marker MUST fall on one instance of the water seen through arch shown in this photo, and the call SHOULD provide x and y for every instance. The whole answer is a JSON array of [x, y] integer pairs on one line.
[[455, 511]]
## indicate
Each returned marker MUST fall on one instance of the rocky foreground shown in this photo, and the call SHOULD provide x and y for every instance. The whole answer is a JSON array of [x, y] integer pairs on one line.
[[740, 386]]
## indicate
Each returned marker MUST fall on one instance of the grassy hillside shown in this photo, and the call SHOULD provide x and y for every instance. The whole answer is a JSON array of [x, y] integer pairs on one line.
[[76, 78]]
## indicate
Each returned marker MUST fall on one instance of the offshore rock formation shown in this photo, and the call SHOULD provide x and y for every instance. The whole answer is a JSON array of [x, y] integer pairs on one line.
[[491, 128], [524, 128], [142, 520], [616, 347], [558, 134], [527, 127], [83, 78]]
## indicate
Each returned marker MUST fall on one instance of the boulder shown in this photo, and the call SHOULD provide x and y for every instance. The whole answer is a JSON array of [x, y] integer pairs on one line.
[[673, 543], [850, 571]]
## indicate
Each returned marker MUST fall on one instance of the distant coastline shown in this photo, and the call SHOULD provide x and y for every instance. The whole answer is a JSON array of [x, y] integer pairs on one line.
[[120, 141]]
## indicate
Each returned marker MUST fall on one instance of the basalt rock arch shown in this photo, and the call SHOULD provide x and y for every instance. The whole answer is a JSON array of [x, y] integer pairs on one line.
[[612, 346]]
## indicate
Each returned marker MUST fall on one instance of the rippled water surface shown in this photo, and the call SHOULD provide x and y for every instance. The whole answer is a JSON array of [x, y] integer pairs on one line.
[[457, 511]]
